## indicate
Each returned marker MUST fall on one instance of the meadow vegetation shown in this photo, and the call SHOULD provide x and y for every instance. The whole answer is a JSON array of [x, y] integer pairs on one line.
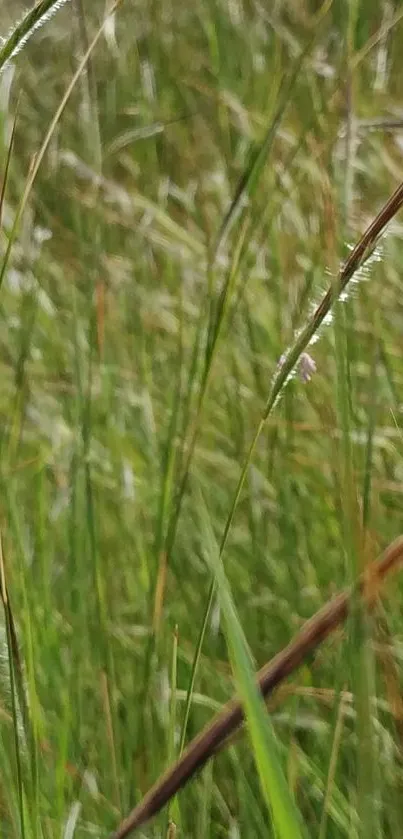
[[213, 166]]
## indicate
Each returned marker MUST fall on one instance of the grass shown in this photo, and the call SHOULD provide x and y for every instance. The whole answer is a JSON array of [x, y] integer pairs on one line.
[[167, 232]]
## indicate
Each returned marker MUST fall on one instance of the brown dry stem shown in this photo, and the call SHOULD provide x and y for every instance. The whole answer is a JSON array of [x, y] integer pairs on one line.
[[227, 721]]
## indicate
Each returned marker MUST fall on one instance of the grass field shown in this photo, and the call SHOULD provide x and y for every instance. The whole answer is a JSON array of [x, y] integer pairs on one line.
[[166, 236]]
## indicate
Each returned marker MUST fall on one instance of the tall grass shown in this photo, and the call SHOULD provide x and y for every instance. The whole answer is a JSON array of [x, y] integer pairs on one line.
[[184, 183]]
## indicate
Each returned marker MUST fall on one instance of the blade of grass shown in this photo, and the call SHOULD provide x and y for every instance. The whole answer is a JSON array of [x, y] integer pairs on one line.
[[361, 664], [334, 753], [277, 795], [172, 716], [13, 665], [5, 430]]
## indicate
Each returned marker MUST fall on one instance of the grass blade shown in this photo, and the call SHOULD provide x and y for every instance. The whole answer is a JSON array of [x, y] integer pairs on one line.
[[264, 744], [13, 666], [7, 170]]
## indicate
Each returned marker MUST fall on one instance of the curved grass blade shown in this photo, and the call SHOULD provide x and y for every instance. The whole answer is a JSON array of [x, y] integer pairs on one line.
[[277, 795]]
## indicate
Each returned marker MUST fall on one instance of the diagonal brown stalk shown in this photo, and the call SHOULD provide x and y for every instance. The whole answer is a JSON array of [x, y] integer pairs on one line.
[[227, 721], [355, 261]]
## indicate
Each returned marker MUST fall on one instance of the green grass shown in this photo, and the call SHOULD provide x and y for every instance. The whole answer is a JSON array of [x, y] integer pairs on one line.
[[167, 230], [280, 804]]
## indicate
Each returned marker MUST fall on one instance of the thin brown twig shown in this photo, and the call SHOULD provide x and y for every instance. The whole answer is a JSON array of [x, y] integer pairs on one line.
[[365, 244], [214, 735]]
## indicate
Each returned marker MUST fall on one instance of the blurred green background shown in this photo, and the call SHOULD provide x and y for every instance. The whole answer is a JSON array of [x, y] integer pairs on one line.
[[115, 380]]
